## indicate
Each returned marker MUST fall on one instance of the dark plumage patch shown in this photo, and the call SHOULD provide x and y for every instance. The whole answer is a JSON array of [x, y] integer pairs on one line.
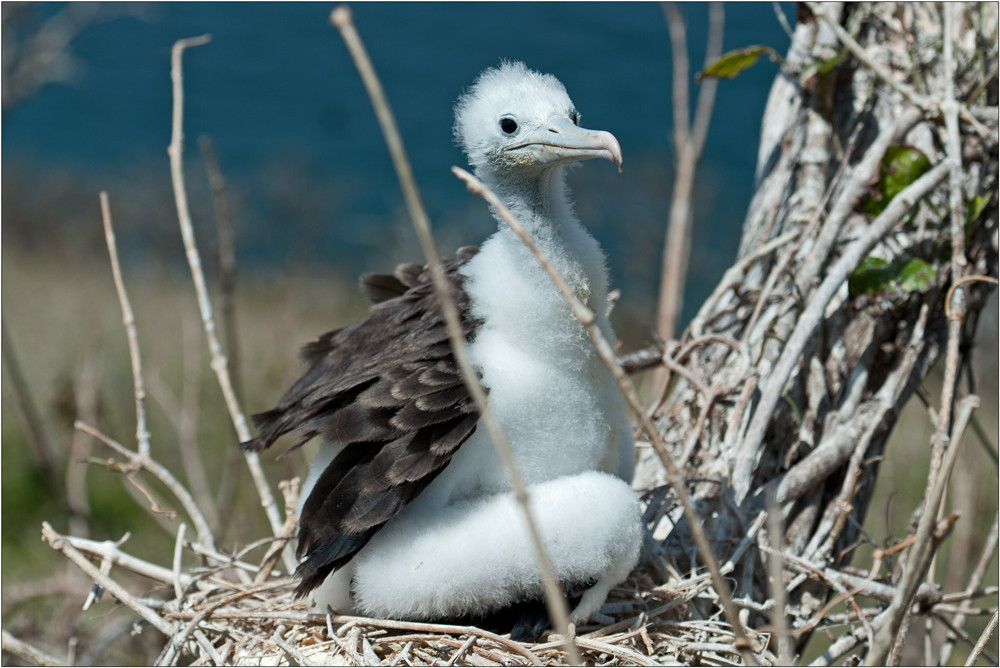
[[389, 388]]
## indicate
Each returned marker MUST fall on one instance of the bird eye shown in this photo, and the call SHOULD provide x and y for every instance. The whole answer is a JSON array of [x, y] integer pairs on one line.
[[576, 118], [508, 125]]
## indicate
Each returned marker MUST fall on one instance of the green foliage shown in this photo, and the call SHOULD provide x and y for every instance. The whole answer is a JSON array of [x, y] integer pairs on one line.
[[876, 275], [973, 210], [729, 64], [901, 166]]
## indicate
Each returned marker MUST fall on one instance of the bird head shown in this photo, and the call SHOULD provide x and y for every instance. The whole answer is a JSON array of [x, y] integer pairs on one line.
[[513, 118]]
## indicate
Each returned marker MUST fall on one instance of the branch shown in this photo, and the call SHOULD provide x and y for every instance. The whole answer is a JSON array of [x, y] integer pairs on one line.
[[923, 548], [554, 597], [981, 643], [163, 474], [141, 433], [27, 652], [810, 319], [59, 542], [219, 364]]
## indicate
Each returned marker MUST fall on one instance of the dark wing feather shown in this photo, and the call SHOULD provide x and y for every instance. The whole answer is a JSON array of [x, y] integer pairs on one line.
[[389, 388]]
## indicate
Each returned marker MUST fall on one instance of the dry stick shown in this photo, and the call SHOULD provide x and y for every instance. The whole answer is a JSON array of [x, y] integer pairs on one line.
[[227, 308], [688, 143], [164, 475], [187, 423], [776, 585], [178, 552], [983, 639], [219, 364], [27, 652], [920, 554], [607, 355], [975, 580], [87, 390], [141, 433], [59, 542], [227, 260], [36, 435], [554, 598], [812, 316], [110, 551]]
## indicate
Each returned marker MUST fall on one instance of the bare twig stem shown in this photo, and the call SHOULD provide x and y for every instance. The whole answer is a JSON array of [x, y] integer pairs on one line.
[[812, 316], [607, 355], [776, 587], [178, 553], [920, 554], [975, 580], [554, 597], [141, 433], [688, 145], [87, 389], [983, 639], [35, 433], [227, 261], [28, 652], [110, 551], [219, 364], [58, 542], [164, 475], [187, 424]]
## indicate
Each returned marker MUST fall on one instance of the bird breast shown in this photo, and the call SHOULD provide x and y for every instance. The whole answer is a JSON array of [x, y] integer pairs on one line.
[[556, 402]]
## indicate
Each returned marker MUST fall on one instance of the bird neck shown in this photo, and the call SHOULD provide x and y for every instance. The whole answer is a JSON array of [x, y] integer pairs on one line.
[[537, 198]]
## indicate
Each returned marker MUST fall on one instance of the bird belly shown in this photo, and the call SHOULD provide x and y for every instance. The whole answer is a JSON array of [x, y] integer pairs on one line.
[[555, 413]]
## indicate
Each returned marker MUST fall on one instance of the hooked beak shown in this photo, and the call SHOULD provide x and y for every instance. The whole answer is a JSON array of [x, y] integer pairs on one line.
[[562, 141]]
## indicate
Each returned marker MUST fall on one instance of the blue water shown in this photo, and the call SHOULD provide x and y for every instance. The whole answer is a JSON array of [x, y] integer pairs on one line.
[[276, 90]]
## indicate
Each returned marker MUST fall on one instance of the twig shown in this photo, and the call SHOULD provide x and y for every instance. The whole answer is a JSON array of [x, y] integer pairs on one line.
[[35, 434], [604, 350], [27, 652], [981, 643], [975, 580], [227, 260], [164, 475], [776, 585], [58, 542], [86, 390], [920, 554], [554, 597], [219, 364], [178, 551], [292, 653], [141, 433], [812, 316], [688, 144], [110, 551], [783, 20], [290, 490]]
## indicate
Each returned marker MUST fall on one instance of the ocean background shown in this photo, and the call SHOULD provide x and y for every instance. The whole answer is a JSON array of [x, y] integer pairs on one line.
[[308, 173]]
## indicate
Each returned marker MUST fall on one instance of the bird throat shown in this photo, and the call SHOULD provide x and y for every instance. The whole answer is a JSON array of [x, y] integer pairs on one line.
[[535, 196]]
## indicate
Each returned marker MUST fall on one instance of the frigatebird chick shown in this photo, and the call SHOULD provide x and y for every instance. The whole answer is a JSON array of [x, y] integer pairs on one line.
[[408, 512]]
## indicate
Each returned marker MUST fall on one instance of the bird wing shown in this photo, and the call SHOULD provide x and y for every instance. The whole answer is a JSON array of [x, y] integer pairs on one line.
[[389, 388]]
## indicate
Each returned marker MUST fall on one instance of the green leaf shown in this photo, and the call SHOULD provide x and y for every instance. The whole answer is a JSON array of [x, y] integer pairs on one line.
[[728, 65], [901, 166], [876, 275], [916, 276], [872, 275], [826, 66], [975, 208]]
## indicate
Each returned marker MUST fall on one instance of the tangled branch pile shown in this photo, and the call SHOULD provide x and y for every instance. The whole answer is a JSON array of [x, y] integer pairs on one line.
[[864, 260]]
